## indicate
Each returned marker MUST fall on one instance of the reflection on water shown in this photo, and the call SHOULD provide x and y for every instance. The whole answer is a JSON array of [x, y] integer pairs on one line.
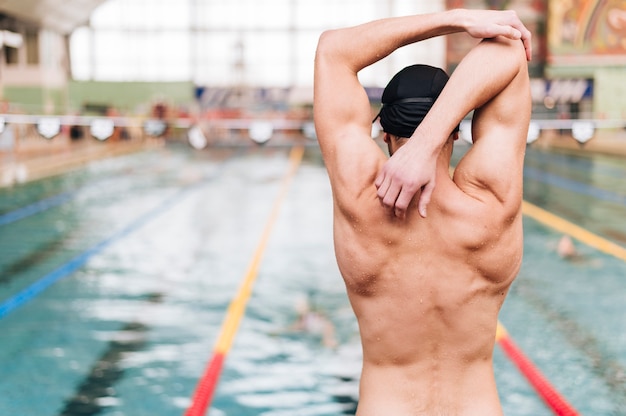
[[588, 191], [131, 332], [97, 390]]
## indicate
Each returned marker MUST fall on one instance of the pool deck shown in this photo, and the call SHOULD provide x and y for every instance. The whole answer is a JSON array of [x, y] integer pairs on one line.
[[605, 142], [49, 160], [45, 161]]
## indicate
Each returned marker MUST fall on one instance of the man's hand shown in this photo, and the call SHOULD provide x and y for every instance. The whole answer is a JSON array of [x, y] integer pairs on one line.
[[411, 169], [485, 24]]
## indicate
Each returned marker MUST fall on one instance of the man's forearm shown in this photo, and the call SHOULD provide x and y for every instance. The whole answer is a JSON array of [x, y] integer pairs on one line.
[[362, 45], [481, 75]]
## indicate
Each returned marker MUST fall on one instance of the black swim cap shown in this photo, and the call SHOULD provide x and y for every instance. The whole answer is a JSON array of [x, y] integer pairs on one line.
[[408, 96]]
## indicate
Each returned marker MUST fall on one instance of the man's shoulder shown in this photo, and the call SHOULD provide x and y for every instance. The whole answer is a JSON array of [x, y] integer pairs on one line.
[[493, 166], [352, 159]]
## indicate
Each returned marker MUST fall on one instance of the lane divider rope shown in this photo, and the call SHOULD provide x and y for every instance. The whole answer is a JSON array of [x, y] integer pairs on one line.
[[208, 382], [33, 290], [546, 391], [45, 204], [574, 186], [559, 405], [36, 207], [550, 395], [559, 224]]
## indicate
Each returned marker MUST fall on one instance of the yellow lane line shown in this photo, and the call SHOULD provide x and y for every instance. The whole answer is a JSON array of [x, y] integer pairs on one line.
[[562, 225], [237, 307], [557, 223]]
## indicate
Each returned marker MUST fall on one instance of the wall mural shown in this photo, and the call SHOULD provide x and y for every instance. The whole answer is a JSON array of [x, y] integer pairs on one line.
[[587, 31], [531, 12]]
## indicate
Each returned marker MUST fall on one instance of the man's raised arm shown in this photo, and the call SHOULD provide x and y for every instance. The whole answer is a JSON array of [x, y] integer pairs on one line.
[[342, 53], [412, 168]]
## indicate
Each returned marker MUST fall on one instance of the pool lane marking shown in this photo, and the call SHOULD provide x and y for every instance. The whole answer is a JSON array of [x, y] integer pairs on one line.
[[550, 395], [575, 162], [604, 364], [36, 207], [546, 391], [557, 403], [33, 290], [573, 186], [559, 224], [44, 204], [42, 252], [77, 262], [208, 382]]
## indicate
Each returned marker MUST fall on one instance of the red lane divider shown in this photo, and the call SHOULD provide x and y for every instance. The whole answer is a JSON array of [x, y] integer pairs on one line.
[[544, 389], [542, 386], [207, 384]]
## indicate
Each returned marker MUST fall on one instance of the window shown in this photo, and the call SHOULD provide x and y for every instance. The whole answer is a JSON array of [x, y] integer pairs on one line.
[[11, 55], [32, 47]]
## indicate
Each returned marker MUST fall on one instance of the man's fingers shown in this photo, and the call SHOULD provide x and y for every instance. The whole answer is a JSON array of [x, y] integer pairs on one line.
[[526, 37], [402, 203], [513, 33], [379, 179], [382, 185], [516, 30], [529, 52], [425, 196], [390, 197], [528, 44]]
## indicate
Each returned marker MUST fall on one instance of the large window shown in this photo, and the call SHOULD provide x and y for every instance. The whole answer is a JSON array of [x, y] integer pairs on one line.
[[228, 42]]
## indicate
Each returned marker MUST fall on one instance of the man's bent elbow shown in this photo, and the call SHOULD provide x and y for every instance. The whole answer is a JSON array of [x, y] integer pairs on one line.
[[515, 49], [327, 44], [509, 51]]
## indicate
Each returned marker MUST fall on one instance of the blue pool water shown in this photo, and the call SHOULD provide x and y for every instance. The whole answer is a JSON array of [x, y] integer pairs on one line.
[[146, 251]]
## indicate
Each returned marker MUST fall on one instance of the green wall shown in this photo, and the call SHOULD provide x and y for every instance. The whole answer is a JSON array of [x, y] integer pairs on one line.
[[129, 97], [34, 100], [609, 98]]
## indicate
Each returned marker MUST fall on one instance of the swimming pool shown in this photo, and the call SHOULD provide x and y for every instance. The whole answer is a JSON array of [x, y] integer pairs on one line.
[[142, 255]]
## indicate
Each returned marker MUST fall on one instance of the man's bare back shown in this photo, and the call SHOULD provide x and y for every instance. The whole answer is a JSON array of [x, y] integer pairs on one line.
[[427, 290], [427, 293]]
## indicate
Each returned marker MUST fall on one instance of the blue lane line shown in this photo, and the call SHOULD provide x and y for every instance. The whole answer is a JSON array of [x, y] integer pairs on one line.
[[42, 205], [574, 186], [36, 207], [571, 162], [77, 262], [74, 264]]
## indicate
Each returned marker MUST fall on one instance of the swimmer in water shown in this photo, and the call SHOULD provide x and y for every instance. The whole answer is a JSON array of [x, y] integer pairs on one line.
[[314, 322], [566, 248]]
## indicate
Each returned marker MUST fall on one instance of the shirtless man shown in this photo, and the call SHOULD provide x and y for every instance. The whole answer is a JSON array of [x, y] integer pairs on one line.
[[426, 289]]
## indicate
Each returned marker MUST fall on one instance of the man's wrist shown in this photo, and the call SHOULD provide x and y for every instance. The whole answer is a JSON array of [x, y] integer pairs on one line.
[[458, 20], [427, 141], [451, 21]]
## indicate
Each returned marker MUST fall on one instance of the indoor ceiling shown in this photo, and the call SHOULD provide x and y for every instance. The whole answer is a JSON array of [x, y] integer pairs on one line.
[[60, 15]]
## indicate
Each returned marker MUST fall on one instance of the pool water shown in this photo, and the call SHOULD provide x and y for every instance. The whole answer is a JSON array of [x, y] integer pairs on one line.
[[145, 252]]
